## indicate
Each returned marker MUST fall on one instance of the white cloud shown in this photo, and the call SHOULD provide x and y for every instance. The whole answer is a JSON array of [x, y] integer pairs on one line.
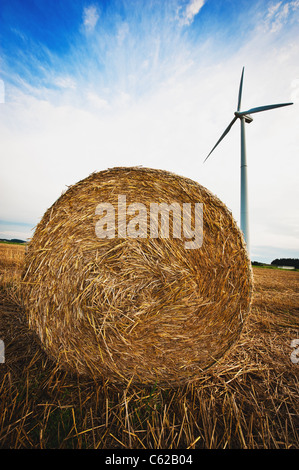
[[90, 18], [2, 91], [192, 9], [65, 82], [9, 234], [278, 15], [295, 92], [272, 10], [96, 101], [122, 32]]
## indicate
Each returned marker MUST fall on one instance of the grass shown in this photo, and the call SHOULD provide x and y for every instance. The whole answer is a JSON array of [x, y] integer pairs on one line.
[[10, 242], [249, 400], [268, 266]]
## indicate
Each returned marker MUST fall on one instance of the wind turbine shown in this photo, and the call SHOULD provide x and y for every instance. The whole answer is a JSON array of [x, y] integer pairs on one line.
[[244, 117]]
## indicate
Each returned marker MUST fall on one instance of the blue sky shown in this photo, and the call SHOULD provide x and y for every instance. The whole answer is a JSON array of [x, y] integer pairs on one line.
[[88, 85]]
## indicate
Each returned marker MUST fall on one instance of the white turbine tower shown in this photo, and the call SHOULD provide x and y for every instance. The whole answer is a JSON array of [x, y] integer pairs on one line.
[[244, 117]]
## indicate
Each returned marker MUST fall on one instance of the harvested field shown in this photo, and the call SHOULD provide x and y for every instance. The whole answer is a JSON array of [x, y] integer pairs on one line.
[[248, 400]]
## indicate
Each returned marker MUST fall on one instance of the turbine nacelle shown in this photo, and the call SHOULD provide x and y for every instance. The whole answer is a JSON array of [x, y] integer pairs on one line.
[[247, 117]]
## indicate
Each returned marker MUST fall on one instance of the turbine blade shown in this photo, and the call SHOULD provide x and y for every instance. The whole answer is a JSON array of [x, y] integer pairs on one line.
[[240, 91], [263, 108], [223, 135]]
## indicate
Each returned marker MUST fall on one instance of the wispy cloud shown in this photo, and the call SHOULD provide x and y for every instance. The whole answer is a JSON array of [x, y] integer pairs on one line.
[[96, 101], [191, 10], [278, 14], [65, 82], [90, 18], [2, 91], [122, 33]]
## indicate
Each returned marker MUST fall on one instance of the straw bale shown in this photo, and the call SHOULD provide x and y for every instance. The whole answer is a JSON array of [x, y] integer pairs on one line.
[[145, 309]]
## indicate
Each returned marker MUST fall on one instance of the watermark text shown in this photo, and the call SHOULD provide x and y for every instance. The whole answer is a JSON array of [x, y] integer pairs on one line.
[[187, 221]]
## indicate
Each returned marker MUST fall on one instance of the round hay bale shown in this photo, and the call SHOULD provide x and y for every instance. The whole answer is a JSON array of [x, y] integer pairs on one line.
[[137, 305]]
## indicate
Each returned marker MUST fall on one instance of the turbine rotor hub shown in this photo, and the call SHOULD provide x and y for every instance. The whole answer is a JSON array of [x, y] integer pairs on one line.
[[247, 117]]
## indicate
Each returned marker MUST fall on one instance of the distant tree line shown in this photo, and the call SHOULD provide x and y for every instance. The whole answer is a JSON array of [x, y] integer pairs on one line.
[[13, 240], [286, 262]]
